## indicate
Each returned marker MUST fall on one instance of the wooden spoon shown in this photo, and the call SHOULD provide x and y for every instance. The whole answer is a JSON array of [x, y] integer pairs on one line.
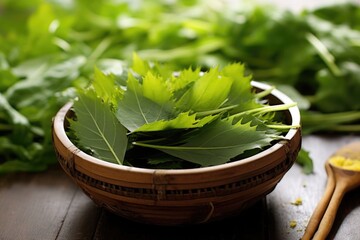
[[339, 182]]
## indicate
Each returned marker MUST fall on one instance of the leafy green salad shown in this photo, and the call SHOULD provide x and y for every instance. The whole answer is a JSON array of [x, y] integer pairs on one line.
[[160, 119]]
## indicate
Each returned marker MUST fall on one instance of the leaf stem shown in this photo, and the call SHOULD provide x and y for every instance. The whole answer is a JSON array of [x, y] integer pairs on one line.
[[341, 117], [283, 126], [182, 147], [347, 128], [324, 53], [266, 109], [142, 144], [264, 93], [99, 50]]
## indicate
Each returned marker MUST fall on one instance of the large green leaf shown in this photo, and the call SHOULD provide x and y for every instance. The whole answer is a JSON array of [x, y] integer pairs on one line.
[[209, 92], [135, 110], [97, 128], [216, 143]]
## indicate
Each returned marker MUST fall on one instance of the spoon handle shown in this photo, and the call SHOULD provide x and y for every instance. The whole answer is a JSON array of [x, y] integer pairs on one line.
[[321, 207], [330, 214]]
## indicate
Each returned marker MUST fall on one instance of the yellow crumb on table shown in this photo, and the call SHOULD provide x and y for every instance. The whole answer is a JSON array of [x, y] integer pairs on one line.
[[292, 223], [297, 202], [345, 163]]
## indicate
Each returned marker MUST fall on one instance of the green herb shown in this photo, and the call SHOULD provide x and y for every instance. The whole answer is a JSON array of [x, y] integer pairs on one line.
[[199, 119], [305, 161], [102, 132], [48, 47]]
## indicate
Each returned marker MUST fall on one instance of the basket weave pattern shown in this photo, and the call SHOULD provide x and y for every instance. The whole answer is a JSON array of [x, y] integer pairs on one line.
[[160, 193]]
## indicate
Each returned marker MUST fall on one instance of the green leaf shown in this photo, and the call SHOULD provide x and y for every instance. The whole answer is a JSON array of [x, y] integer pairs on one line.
[[27, 158], [205, 93], [182, 121], [13, 116], [21, 166], [97, 127], [43, 78], [135, 110], [339, 94], [183, 80], [154, 88], [241, 89], [40, 38], [346, 13], [140, 66], [322, 122], [6, 75], [216, 143], [20, 125], [106, 88], [291, 92], [305, 161]]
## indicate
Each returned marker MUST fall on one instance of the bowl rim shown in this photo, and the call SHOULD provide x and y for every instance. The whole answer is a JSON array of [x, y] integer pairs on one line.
[[59, 131]]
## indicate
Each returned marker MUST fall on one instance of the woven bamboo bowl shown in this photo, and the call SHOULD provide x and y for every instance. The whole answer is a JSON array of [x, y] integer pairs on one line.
[[178, 197]]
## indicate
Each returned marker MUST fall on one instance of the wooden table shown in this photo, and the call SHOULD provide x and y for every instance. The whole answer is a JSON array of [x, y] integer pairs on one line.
[[48, 205]]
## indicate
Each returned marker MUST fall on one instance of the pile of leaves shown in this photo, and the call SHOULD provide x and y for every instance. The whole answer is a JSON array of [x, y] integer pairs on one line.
[[162, 120], [49, 47]]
